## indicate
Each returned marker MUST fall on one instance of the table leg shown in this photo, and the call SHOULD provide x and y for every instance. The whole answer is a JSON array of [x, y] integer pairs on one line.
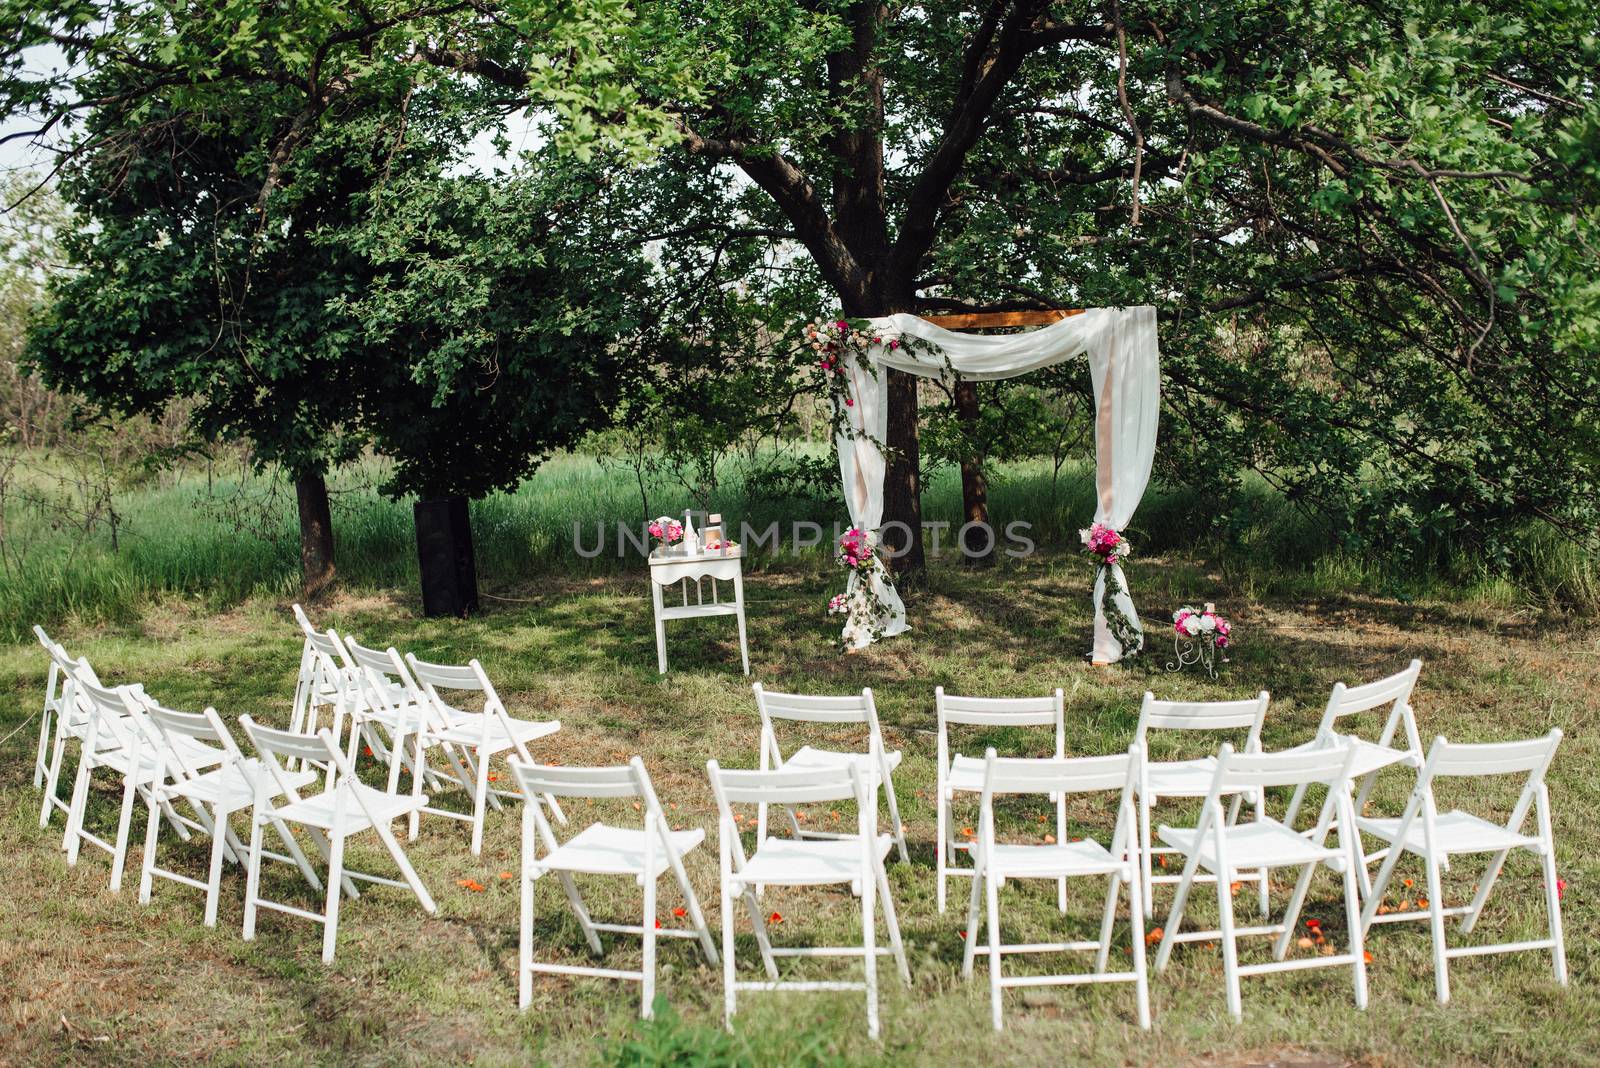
[[738, 600], [661, 629]]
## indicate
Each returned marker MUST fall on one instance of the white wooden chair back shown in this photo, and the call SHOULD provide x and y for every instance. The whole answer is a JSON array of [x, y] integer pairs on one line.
[[1059, 777], [275, 746], [1394, 691], [1044, 711], [1246, 715], [203, 726], [115, 714], [787, 788]]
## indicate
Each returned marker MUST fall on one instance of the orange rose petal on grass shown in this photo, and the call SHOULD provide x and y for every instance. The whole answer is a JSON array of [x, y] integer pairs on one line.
[[776, 917], [1154, 936], [680, 912], [1365, 956], [1049, 839], [1406, 883], [1303, 943], [507, 875]]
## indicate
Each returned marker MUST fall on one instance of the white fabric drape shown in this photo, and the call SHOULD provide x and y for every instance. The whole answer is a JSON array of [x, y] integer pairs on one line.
[[1124, 362], [861, 465]]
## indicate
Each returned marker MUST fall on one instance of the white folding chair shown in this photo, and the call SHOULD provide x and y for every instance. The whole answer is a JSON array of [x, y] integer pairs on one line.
[[68, 723], [1370, 757], [877, 764], [601, 849], [854, 860], [321, 680], [56, 699], [391, 708], [479, 735], [999, 861], [117, 739], [1434, 836], [221, 792], [327, 680], [1227, 850], [346, 807], [1189, 778], [378, 700], [963, 774]]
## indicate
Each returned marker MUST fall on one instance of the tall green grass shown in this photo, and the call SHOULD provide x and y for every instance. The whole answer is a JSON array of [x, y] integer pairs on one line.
[[180, 541]]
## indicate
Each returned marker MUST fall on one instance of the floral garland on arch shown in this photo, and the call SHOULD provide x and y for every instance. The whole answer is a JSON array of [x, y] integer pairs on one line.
[[860, 604], [1109, 546]]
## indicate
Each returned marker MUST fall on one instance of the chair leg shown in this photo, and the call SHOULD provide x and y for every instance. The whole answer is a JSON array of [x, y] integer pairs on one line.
[[52, 780], [418, 774], [1358, 936], [1141, 979], [991, 889], [940, 861], [647, 995], [869, 951], [407, 872], [480, 795], [1485, 884], [1441, 964], [1291, 914], [525, 927], [1175, 917], [147, 864], [1552, 904], [892, 923], [894, 818], [45, 734], [691, 904], [730, 998], [1230, 948], [119, 857], [330, 925], [219, 843], [252, 884], [1113, 892], [576, 900], [970, 952], [1147, 875], [763, 937], [72, 841]]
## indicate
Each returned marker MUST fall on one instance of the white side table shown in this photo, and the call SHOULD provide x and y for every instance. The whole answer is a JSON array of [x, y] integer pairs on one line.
[[670, 566]]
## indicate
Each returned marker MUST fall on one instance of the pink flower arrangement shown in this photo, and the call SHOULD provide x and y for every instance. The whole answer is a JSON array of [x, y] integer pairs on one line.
[[1106, 543], [1204, 624], [838, 604], [665, 530], [855, 548]]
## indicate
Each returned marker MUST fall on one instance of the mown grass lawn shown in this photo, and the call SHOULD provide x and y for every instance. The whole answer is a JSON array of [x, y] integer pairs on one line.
[[92, 976]]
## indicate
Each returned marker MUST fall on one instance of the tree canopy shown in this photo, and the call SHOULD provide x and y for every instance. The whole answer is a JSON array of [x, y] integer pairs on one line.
[[1370, 228]]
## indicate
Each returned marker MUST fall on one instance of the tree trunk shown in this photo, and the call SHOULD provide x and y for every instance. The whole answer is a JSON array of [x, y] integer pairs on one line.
[[316, 534], [902, 484], [445, 557], [977, 544]]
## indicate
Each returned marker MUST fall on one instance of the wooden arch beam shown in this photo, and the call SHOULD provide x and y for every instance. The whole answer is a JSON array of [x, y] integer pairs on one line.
[[990, 320]]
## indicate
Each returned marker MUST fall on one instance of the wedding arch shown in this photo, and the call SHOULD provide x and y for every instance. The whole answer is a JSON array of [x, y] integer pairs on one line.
[[1124, 365]]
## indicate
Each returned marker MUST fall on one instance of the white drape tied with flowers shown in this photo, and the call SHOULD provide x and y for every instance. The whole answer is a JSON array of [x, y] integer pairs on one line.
[[1124, 365]]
